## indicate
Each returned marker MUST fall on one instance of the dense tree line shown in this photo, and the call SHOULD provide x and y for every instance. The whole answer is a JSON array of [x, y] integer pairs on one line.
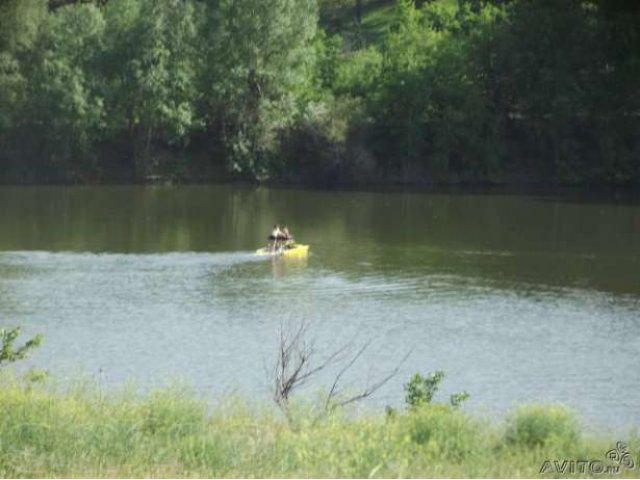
[[289, 90]]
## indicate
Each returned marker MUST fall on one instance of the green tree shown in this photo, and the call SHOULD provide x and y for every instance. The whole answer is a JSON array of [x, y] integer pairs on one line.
[[433, 117], [12, 85], [566, 86], [19, 24], [257, 62], [150, 70], [63, 110]]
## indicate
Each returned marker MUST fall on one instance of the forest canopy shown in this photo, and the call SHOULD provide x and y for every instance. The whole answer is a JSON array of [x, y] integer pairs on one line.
[[320, 91]]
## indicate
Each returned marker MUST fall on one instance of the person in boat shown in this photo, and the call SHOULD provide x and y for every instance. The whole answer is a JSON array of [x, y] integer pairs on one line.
[[277, 237], [288, 238]]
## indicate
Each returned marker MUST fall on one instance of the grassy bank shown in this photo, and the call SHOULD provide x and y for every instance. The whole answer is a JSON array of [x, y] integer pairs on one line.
[[169, 433]]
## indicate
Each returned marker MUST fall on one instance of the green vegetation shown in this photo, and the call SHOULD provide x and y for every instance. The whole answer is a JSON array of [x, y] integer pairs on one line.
[[10, 354], [535, 426], [83, 433], [421, 390], [320, 91]]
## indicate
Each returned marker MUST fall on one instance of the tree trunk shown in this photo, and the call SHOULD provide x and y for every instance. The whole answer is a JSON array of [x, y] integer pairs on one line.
[[358, 13]]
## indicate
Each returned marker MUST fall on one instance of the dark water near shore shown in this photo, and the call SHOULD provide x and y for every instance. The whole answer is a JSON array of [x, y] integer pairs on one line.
[[518, 298]]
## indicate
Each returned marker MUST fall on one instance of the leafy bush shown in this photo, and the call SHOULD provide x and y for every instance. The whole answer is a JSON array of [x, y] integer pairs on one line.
[[541, 425], [421, 390], [8, 353], [443, 430], [359, 73]]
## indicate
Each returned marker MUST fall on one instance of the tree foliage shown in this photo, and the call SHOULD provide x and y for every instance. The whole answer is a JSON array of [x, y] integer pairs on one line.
[[150, 73], [467, 91], [8, 352], [63, 110], [256, 59], [422, 390]]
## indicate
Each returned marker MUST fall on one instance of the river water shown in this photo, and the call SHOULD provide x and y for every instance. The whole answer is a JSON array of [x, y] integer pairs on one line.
[[517, 298]]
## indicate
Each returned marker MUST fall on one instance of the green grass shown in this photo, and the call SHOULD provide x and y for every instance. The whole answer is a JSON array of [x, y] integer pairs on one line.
[[168, 433]]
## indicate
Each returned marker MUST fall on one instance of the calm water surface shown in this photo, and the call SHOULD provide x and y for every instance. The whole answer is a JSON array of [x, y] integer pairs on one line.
[[517, 298]]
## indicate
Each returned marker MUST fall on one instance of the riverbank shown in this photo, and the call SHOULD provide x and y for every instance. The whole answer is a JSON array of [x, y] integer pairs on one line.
[[170, 433]]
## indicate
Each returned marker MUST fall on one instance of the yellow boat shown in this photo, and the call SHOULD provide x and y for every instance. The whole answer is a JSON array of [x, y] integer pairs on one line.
[[290, 251]]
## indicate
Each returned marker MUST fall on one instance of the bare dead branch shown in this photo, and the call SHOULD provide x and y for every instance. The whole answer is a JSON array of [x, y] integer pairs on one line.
[[326, 363], [333, 391], [368, 391], [293, 368], [293, 356]]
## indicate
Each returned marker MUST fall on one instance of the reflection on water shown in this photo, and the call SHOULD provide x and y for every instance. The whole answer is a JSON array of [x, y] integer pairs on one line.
[[517, 299]]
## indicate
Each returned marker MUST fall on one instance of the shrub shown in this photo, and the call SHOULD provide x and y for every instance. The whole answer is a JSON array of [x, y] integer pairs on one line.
[[443, 430], [8, 353], [421, 390], [539, 425]]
